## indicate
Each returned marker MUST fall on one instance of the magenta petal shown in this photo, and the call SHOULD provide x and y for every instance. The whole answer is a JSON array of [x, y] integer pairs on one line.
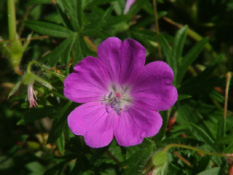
[[89, 81], [128, 4], [109, 52], [123, 60], [153, 89], [135, 124], [92, 121], [132, 60]]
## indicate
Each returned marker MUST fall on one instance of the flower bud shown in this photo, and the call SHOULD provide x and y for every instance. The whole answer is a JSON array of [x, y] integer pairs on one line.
[[160, 162]]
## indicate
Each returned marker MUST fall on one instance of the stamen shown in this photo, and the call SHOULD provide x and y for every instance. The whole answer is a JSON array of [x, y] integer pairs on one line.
[[109, 96], [114, 87], [117, 98]]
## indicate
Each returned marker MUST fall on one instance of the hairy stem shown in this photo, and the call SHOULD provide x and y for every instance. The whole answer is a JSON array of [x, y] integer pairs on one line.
[[48, 70], [11, 19], [175, 145]]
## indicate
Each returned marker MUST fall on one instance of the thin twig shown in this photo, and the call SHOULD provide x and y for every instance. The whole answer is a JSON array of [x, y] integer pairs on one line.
[[192, 34], [90, 43], [24, 19], [228, 80], [183, 159], [157, 27], [112, 156]]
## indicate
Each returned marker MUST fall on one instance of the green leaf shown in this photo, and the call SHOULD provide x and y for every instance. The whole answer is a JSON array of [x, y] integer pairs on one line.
[[189, 58], [70, 7], [14, 89], [182, 97], [81, 49], [212, 171], [80, 13], [225, 140], [59, 123], [135, 164], [81, 165], [105, 17], [202, 83], [136, 7], [36, 2], [178, 44], [61, 143], [167, 51], [95, 3], [201, 134], [50, 29], [65, 20], [61, 51], [36, 168], [56, 168]]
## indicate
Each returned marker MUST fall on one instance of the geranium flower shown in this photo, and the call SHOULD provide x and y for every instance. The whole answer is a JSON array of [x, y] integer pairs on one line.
[[121, 96], [128, 4]]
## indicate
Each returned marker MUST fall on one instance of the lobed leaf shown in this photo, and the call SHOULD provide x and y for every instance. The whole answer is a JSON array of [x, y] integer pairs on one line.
[[61, 51], [50, 29]]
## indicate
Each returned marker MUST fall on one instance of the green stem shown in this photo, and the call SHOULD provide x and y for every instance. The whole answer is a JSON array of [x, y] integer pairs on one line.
[[195, 149], [43, 67], [11, 19]]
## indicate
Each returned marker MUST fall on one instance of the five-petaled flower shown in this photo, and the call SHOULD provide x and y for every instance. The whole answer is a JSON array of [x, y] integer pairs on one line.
[[121, 96]]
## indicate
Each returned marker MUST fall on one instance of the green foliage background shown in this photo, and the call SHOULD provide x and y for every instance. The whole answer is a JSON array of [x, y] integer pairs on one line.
[[196, 41]]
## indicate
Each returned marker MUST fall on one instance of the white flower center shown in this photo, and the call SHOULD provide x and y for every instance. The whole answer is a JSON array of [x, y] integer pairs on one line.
[[118, 98]]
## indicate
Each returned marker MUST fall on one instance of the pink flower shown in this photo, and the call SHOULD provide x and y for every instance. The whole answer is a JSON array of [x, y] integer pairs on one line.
[[121, 96], [31, 99], [128, 4]]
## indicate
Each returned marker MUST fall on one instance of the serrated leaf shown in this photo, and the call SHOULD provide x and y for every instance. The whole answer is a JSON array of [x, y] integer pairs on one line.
[[50, 29], [63, 50]]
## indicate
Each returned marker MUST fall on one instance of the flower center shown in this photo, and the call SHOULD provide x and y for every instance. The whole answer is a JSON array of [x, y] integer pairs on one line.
[[118, 98]]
